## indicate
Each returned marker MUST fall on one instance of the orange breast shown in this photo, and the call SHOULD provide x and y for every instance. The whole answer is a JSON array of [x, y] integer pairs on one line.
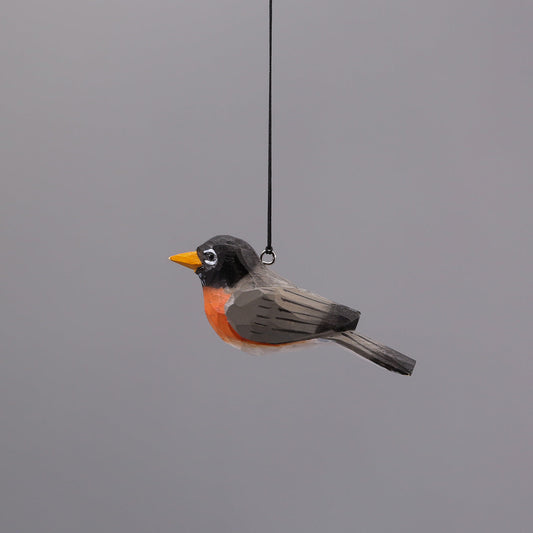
[[214, 304]]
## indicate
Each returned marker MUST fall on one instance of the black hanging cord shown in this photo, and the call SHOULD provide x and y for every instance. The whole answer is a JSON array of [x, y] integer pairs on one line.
[[268, 248]]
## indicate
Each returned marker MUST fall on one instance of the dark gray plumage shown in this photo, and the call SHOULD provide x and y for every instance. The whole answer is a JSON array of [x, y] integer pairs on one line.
[[287, 314]]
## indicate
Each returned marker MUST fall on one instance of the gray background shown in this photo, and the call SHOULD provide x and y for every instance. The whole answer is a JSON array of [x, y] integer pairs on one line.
[[403, 180]]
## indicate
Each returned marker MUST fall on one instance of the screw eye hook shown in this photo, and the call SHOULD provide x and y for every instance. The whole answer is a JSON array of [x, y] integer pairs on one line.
[[270, 253]]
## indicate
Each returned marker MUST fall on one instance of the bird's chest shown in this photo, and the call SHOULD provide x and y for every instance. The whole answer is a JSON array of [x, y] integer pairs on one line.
[[215, 301]]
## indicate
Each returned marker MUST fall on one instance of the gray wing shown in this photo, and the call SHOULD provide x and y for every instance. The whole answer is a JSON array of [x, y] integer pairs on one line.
[[278, 315]]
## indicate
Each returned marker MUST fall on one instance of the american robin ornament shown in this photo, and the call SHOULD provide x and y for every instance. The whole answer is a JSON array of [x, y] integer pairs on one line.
[[254, 309]]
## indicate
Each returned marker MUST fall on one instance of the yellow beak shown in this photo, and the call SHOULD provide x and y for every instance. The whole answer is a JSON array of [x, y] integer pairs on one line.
[[188, 259]]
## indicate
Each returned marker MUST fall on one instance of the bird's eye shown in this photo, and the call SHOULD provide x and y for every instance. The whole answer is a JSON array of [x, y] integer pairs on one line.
[[210, 257]]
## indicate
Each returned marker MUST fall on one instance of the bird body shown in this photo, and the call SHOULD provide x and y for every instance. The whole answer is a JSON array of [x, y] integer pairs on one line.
[[254, 309]]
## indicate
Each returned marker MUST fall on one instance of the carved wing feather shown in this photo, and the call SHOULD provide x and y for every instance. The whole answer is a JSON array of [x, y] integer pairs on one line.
[[279, 315]]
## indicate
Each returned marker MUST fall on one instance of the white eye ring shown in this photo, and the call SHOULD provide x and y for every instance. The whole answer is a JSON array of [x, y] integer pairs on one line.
[[210, 257]]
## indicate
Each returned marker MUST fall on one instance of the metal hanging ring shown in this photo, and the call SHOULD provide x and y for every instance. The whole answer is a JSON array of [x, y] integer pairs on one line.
[[268, 252]]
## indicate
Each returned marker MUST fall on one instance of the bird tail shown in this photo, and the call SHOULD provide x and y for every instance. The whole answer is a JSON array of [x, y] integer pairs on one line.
[[377, 353]]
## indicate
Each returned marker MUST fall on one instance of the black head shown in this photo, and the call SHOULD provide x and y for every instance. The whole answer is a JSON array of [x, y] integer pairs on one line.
[[221, 261]]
